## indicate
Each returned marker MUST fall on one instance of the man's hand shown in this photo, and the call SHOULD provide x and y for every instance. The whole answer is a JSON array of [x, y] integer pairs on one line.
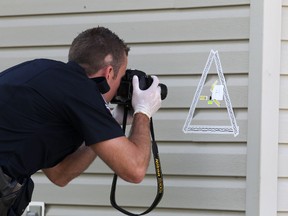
[[146, 101]]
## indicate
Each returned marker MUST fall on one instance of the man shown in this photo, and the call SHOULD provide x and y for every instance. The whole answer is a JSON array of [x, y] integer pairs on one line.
[[55, 117]]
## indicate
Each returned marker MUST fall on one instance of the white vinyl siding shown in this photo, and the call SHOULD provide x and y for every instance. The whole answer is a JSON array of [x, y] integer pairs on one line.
[[204, 175]]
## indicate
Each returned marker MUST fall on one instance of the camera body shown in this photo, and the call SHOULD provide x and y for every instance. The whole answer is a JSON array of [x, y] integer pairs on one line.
[[125, 90]]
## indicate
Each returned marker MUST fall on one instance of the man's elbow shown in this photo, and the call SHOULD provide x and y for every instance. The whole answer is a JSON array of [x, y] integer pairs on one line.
[[136, 176], [59, 182], [56, 179]]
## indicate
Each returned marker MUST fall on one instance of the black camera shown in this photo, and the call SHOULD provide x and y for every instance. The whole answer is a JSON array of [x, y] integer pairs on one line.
[[125, 90]]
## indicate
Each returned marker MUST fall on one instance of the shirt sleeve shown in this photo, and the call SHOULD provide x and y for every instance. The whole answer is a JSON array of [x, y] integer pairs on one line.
[[93, 119]]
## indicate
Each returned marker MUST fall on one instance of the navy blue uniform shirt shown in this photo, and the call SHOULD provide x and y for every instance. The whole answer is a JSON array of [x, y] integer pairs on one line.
[[47, 109]]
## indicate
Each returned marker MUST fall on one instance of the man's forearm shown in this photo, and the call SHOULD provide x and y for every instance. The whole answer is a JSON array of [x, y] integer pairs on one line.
[[140, 136], [72, 166]]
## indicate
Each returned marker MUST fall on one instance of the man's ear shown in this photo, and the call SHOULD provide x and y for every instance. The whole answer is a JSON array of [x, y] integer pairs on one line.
[[109, 72]]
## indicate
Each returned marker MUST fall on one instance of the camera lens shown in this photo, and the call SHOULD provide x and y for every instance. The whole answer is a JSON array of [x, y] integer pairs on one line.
[[164, 91]]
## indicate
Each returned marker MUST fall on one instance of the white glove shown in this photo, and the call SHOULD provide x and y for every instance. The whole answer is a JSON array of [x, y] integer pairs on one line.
[[118, 114], [146, 101]]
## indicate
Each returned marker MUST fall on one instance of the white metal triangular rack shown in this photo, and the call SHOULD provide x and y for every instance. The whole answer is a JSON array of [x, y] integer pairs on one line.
[[211, 129]]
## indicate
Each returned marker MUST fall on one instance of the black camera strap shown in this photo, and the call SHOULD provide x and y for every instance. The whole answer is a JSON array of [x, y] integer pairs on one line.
[[159, 176]]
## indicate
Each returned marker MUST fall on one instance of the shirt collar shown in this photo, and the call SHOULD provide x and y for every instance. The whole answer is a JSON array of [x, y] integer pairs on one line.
[[76, 67]]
